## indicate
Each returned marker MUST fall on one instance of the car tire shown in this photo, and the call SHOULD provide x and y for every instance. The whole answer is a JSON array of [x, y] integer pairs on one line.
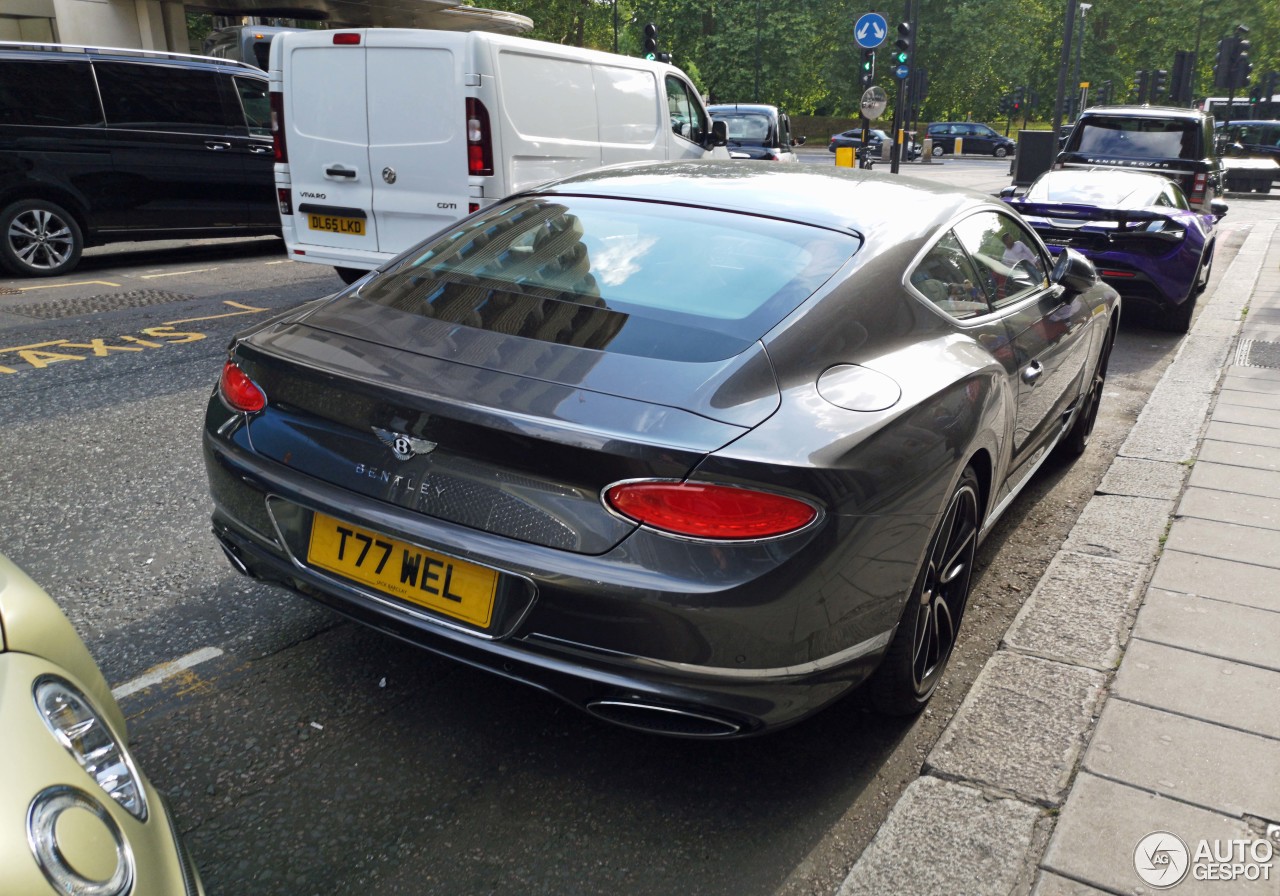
[[1206, 268], [937, 150], [1000, 152], [350, 275], [41, 239], [1077, 438], [917, 656], [1177, 319]]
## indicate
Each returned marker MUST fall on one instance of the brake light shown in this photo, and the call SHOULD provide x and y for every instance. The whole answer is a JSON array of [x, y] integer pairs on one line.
[[706, 510], [239, 392], [285, 200], [278, 147], [1198, 188], [1118, 274], [479, 139], [346, 38]]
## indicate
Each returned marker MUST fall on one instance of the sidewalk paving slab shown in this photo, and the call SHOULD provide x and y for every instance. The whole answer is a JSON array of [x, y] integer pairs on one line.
[[1051, 704], [985, 849], [1224, 580], [1226, 507], [1216, 768], [1200, 687], [1243, 433], [1103, 822], [1234, 479], [1227, 541], [1229, 631], [1120, 528]]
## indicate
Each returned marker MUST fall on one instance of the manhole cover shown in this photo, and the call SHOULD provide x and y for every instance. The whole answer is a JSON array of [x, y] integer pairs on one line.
[[1256, 353], [74, 307]]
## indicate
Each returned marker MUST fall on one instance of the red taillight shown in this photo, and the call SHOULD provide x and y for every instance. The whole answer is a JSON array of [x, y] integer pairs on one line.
[[479, 140], [473, 207], [238, 391], [704, 510], [346, 38], [285, 199], [1119, 274], [278, 147], [1198, 188]]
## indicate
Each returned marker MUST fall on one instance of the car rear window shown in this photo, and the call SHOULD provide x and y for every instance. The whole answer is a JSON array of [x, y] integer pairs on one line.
[[1138, 138], [1105, 189], [633, 277], [746, 127]]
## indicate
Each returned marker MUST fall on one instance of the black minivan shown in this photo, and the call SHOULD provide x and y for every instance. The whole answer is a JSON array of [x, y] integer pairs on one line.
[[106, 145]]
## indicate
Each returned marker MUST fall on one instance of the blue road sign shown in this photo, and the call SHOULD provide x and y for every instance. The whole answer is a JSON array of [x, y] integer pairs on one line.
[[870, 30], [901, 72]]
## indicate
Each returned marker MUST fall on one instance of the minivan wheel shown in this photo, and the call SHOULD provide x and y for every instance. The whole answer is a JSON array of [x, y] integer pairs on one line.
[[1001, 152], [937, 150], [41, 239]]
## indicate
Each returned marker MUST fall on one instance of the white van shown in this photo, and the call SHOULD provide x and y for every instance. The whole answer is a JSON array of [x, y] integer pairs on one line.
[[383, 136]]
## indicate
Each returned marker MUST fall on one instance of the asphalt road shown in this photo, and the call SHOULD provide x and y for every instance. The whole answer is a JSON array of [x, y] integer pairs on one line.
[[304, 754]]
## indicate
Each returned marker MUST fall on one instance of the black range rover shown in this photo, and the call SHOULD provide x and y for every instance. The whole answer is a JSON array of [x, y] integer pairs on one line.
[[1178, 143]]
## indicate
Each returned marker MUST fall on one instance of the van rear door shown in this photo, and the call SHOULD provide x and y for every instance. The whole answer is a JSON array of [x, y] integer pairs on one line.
[[417, 133], [376, 136]]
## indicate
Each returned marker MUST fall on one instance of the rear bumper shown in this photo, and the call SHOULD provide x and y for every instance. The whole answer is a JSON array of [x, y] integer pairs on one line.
[[650, 652]]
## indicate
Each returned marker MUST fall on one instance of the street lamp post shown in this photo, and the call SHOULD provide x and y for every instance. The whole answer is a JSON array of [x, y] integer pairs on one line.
[[1075, 99], [1069, 27]]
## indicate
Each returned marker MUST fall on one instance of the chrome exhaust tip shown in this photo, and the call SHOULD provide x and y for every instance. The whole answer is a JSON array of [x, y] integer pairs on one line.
[[669, 720]]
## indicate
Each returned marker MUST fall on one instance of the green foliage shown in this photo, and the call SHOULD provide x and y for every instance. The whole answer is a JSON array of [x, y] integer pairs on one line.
[[802, 55]]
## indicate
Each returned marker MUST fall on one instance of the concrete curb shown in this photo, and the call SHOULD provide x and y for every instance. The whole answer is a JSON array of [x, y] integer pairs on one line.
[[1014, 753]]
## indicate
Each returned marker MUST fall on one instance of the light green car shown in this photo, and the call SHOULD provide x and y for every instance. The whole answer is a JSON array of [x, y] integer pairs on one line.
[[76, 815]]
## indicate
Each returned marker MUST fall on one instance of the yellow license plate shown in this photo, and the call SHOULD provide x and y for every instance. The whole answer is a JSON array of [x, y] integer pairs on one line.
[[332, 224], [453, 587]]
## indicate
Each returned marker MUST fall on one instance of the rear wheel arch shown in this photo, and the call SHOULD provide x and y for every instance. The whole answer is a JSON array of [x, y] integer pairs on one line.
[[49, 193]]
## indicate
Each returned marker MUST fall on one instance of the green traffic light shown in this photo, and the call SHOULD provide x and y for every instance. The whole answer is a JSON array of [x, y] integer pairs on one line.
[[901, 57], [650, 56]]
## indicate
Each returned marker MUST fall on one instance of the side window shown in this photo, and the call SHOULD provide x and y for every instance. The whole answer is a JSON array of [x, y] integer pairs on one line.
[[48, 94], [946, 277], [687, 118], [255, 104], [784, 132], [162, 98], [1009, 264]]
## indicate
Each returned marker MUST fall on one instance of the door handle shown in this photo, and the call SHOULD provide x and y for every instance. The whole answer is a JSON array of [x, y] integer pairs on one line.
[[339, 172], [1032, 372], [218, 147], [260, 150]]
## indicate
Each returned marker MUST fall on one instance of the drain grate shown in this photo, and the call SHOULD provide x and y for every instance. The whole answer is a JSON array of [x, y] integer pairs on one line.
[[73, 307], [9, 291], [1256, 353]]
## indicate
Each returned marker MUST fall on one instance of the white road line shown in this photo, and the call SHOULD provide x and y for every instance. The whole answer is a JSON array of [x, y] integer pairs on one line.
[[175, 273], [159, 673]]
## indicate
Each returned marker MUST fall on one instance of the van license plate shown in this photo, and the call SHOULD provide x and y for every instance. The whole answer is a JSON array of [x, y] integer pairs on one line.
[[332, 224], [445, 584]]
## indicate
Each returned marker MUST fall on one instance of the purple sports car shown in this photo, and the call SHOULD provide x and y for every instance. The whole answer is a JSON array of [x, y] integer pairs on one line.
[[1138, 229]]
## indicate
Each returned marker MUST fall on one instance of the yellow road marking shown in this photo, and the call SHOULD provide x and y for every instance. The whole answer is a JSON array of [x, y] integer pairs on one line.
[[248, 309], [63, 285], [175, 273]]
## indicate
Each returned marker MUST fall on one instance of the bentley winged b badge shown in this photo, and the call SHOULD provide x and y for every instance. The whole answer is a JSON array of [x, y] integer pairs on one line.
[[403, 446]]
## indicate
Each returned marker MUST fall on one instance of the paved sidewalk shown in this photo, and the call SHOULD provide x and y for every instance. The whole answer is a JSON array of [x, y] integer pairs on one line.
[[1089, 731]]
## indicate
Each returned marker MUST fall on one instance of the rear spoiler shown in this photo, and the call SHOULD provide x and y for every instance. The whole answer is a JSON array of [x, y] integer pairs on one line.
[[1088, 212]]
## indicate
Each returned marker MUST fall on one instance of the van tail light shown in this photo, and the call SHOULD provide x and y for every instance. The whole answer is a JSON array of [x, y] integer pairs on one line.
[[709, 511], [278, 147], [346, 38], [1198, 188], [473, 207], [479, 139], [285, 200], [238, 392]]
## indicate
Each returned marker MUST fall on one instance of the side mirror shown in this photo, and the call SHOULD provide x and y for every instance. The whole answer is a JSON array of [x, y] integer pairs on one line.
[[1073, 271], [719, 134], [799, 141], [1218, 208], [1008, 192]]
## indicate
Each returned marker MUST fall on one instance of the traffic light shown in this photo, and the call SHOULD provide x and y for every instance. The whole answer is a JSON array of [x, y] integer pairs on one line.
[[651, 42], [868, 67], [1104, 93], [1222, 64], [1018, 96], [1255, 95], [1180, 82], [1006, 104], [902, 54], [1140, 86], [1240, 64], [1159, 83]]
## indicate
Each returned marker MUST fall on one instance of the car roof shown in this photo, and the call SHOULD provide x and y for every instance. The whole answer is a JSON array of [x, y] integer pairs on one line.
[[1144, 111], [845, 199]]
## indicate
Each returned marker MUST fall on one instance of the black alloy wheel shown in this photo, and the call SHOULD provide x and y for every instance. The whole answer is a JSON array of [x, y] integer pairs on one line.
[[41, 239], [926, 635], [1077, 439]]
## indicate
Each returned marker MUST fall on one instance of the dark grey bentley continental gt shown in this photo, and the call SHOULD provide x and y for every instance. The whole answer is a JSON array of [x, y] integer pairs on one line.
[[697, 447]]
